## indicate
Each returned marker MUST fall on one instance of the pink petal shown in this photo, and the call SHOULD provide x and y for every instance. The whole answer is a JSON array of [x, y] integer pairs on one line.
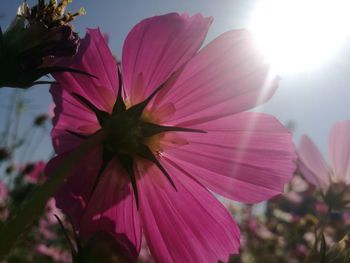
[[248, 157], [312, 164], [339, 149], [73, 196], [112, 208], [184, 225], [93, 57], [158, 46], [226, 77], [70, 115]]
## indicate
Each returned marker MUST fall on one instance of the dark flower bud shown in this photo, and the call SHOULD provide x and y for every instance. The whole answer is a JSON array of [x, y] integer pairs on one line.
[[40, 119], [4, 154], [109, 248], [28, 168], [9, 169], [337, 196], [36, 35]]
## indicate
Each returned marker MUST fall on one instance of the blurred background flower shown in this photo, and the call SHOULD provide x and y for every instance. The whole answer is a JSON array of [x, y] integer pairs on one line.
[[332, 180]]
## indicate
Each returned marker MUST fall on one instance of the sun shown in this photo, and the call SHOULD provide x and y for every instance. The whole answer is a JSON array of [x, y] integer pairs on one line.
[[298, 35]]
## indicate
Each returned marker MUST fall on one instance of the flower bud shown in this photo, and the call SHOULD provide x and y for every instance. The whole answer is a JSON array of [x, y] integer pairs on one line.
[[36, 34], [40, 119], [337, 196], [9, 169], [34, 172], [4, 154]]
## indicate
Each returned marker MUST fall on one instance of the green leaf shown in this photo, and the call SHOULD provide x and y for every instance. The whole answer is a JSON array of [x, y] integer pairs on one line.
[[322, 258]]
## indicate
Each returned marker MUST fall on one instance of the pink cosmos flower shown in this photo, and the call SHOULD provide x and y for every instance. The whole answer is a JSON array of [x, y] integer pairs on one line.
[[315, 169], [175, 127]]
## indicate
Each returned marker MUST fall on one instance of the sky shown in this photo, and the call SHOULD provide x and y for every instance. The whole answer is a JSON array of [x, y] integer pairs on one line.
[[313, 99]]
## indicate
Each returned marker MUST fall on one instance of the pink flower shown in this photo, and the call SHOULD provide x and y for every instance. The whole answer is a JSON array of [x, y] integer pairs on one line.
[[51, 210], [315, 169], [176, 127], [35, 172], [301, 251], [49, 219], [56, 253], [51, 110], [3, 192]]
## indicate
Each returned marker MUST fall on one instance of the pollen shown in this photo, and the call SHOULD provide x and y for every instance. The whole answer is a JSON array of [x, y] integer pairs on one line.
[[51, 15]]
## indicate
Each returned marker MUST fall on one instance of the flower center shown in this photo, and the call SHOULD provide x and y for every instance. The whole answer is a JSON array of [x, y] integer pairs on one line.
[[131, 135], [125, 135]]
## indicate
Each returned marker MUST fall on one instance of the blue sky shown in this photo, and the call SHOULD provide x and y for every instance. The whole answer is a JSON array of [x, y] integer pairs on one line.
[[314, 100]]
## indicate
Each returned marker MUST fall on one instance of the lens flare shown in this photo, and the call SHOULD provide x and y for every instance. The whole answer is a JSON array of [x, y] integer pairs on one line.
[[298, 35]]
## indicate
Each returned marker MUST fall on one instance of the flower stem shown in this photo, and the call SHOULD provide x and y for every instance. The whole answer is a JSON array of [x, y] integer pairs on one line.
[[31, 209]]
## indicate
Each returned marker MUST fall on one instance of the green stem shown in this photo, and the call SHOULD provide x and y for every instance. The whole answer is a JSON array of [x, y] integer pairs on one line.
[[32, 208]]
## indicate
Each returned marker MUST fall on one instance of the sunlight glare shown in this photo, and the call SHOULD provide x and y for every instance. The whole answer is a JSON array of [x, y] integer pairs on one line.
[[297, 35]]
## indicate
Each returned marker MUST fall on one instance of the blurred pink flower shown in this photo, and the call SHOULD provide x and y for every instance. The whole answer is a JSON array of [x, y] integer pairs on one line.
[[301, 250], [45, 230], [4, 212], [3, 191], [35, 172], [51, 110], [294, 197], [298, 184], [56, 253], [48, 220], [346, 218], [315, 169], [321, 208], [51, 210], [175, 126]]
